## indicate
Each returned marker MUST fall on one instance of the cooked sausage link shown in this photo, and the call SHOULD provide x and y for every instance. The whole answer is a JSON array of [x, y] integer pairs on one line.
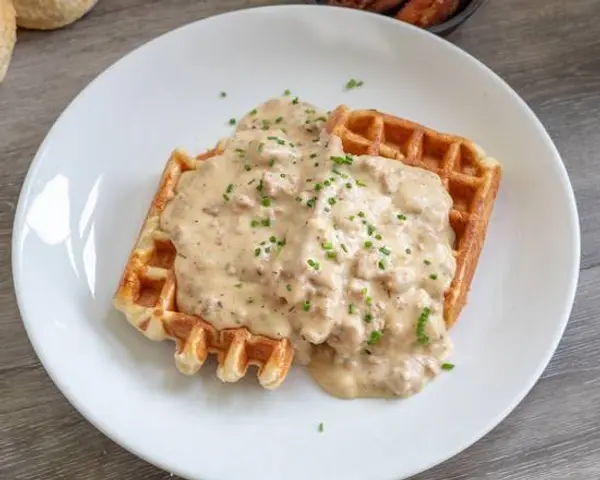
[[427, 13]]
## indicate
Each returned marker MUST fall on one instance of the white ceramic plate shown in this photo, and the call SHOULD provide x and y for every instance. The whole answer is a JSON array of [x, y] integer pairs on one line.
[[93, 177]]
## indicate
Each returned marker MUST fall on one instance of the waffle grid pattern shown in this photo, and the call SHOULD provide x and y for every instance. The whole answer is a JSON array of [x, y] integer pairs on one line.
[[471, 178], [147, 296]]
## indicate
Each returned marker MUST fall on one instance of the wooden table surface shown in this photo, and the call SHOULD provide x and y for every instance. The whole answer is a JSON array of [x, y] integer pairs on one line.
[[548, 50]]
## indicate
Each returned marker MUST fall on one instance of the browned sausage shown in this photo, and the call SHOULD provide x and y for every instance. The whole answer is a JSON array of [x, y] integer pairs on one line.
[[384, 5], [426, 13]]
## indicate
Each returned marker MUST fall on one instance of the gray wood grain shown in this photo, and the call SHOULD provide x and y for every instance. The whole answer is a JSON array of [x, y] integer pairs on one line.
[[548, 50]]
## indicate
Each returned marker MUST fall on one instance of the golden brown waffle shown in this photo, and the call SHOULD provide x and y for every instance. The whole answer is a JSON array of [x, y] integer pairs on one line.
[[471, 178], [147, 296]]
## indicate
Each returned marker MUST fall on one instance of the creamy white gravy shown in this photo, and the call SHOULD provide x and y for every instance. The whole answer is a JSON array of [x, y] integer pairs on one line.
[[287, 235]]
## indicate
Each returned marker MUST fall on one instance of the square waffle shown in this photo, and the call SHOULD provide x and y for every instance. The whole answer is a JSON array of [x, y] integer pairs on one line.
[[468, 174], [147, 296]]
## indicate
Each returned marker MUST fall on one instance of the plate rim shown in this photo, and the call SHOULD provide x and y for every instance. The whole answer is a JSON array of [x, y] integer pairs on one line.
[[114, 434]]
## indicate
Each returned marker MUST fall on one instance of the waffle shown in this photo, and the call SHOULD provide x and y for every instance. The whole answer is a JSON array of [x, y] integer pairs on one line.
[[470, 177], [147, 296]]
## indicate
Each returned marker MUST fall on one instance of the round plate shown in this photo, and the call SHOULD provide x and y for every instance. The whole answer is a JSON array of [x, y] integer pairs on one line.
[[91, 182]]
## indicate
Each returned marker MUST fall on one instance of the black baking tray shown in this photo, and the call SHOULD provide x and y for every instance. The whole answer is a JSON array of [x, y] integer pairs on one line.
[[465, 10]]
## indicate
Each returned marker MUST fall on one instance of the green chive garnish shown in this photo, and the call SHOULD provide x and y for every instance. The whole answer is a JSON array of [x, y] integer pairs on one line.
[[375, 337], [313, 264], [229, 188], [433, 276], [427, 262], [368, 244], [257, 251], [385, 250], [332, 255], [422, 337], [351, 309], [223, 94], [327, 245], [331, 201], [447, 366], [401, 216], [232, 121], [306, 306], [381, 265], [368, 317]]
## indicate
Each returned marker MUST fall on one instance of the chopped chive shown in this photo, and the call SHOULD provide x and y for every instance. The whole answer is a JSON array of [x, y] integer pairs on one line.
[[369, 300], [422, 337], [266, 222], [266, 124], [253, 111], [316, 164], [348, 185], [344, 248], [408, 251], [306, 306], [327, 245], [318, 186], [261, 145], [298, 199], [401, 216], [378, 237], [232, 121], [250, 300], [288, 287], [361, 184], [287, 92], [385, 250], [351, 218], [226, 197], [273, 239], [331, 201], [347, 160], [271, 162], [336, 171], [238, 285], [447, 366], [433, 276], [353, 83], [295, 101], [368, 244], [361, 214], [381, 265], [278, 119], [370, 229], [332, 255], [321, 427], [257, 251], [310, 203], [223, 94], [327, 182], [375, 337], [229, 188], [351, 309], [313, 264], [368, 317], [363, 291], [254, 223], [427, 262], [247, 167], [313, 155]]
